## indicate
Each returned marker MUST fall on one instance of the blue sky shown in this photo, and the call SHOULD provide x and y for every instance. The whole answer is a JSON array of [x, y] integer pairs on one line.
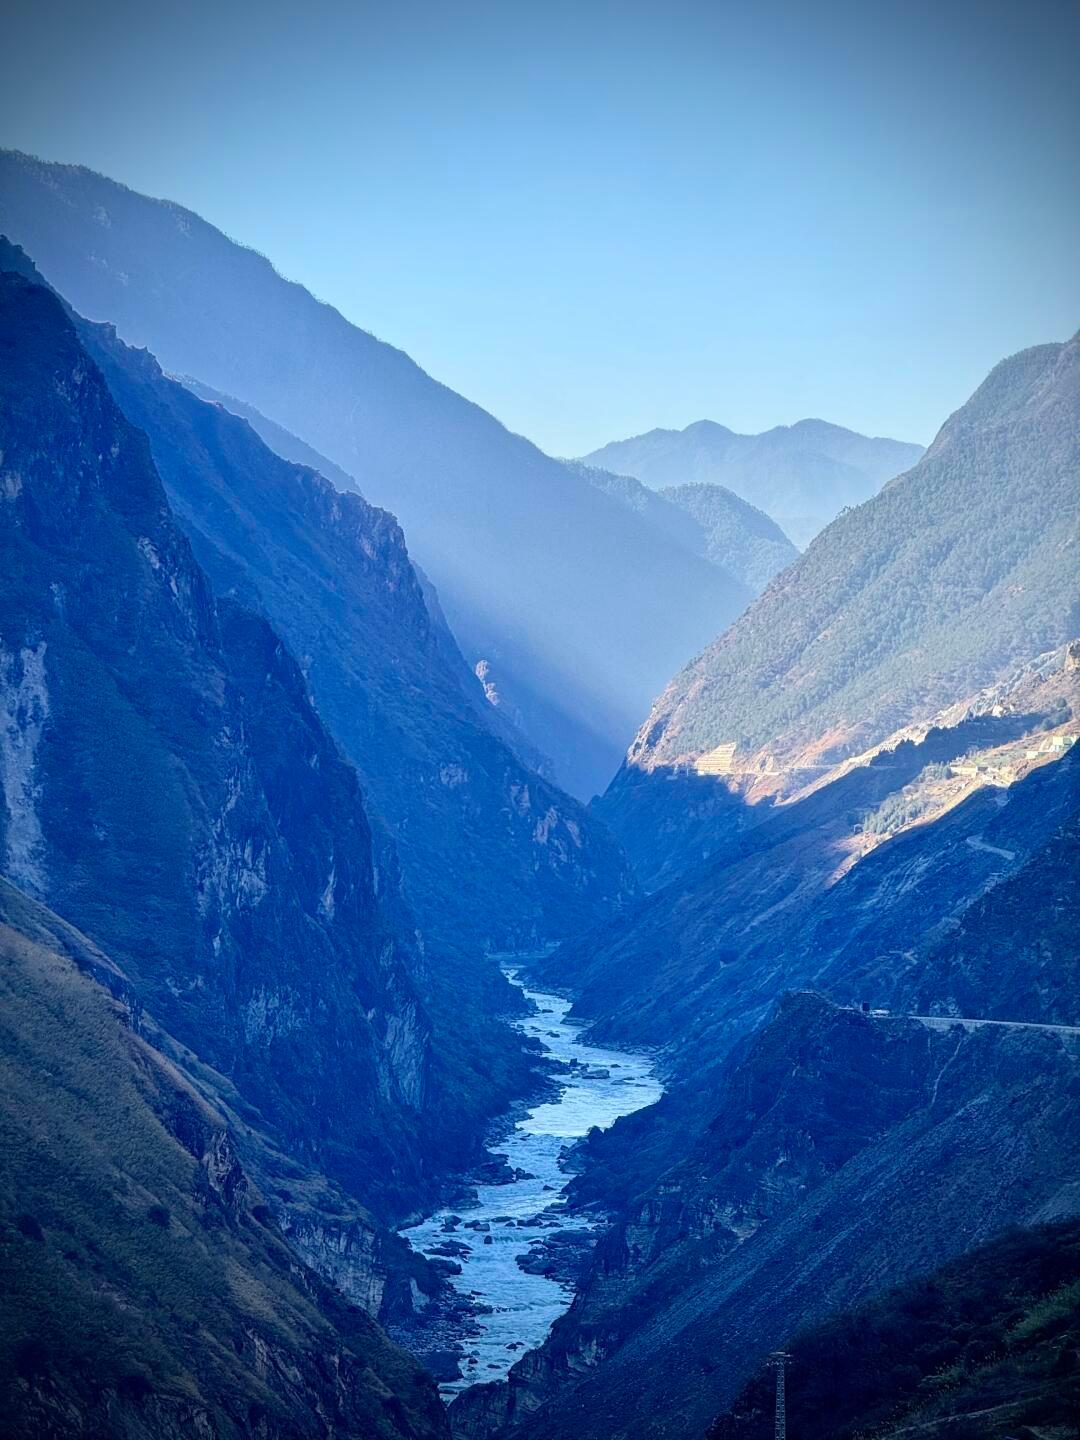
[[595, 218]]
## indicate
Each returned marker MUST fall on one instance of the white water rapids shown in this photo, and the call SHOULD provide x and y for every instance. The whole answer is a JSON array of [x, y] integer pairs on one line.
[[602, 1086]]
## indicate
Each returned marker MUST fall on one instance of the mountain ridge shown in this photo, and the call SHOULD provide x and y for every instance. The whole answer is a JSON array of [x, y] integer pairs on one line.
[[940, 584], [800, 475], [706, 520], [547, 594]]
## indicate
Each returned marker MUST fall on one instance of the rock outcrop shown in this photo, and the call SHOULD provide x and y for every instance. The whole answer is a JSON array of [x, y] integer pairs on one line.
[[147, 1289], [170, 790]]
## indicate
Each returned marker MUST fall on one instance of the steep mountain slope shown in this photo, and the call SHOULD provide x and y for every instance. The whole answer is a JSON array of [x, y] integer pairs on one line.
[[986, 1344], [818, 1179], [1015, 953], [801, 475], [737, 536], [579, 608], [792, 1171], [147, 1291], [333, 577], [793, 900], [952, 575], [706, 520], [168, 787], [494, 717], [329, 1229]]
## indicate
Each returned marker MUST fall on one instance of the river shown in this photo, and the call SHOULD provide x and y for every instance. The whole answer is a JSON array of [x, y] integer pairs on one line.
[[517, 1309]]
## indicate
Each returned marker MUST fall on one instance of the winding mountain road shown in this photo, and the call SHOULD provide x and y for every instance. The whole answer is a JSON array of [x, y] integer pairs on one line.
[[946, 1022]]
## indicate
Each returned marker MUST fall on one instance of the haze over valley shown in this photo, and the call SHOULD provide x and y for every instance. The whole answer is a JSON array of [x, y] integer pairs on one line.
[[506, 946]]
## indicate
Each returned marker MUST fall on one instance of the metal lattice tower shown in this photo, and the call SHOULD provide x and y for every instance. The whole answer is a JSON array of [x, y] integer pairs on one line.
[[778, 1361]]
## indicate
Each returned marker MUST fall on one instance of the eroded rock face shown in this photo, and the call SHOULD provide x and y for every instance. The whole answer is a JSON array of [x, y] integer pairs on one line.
[[335, 578], [346, 1253], [26, 708], [148, 1291], [169, 788]]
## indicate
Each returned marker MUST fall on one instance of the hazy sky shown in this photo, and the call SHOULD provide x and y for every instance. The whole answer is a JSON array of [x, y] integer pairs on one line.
[[596, 218]]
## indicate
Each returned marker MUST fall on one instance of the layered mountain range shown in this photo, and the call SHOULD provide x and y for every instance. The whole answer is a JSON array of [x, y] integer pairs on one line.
[[332, 575], [707, 520], [862, 969], [267, 815], [576, 606], [957, 572], [801, 475]]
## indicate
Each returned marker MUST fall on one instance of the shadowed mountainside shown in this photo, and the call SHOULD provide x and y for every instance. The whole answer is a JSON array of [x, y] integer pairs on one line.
[[580, 609], [147, 1290], [988, 1341], [830, 1141]]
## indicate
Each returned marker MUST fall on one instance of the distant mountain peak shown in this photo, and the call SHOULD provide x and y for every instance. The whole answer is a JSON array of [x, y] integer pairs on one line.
[[955, 573], [801, 474], [577, 602]]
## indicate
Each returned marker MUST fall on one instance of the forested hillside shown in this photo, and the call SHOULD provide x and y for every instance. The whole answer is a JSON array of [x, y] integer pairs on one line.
[[951, 576], [983, 1346], [738, 536]]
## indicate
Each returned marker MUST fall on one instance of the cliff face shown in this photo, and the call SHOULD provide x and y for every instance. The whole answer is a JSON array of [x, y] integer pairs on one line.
[[579, 608], [334, 578], [842, 1154], [147, 1289], [169, 788]]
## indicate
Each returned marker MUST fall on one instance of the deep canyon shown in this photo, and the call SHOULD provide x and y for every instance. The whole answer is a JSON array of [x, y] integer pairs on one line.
[[502, 964]]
